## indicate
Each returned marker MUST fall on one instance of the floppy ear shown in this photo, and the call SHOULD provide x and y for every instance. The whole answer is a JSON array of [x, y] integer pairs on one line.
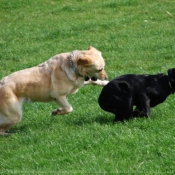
[[124, 87], [171, 76], [84, 61]]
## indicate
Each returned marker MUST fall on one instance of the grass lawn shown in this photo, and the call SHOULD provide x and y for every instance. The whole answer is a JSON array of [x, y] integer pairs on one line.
[[135, 37]]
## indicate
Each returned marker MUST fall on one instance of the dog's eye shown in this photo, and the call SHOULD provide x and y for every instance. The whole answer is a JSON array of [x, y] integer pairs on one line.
[[99, 70]]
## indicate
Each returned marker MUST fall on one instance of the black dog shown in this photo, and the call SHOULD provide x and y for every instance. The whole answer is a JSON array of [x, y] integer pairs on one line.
[[143, 91]]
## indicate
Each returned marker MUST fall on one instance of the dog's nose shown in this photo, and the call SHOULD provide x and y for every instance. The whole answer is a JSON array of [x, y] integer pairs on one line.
[[105, 75]]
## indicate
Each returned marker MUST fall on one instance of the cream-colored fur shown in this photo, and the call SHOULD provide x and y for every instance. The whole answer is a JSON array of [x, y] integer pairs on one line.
[[52, 80]]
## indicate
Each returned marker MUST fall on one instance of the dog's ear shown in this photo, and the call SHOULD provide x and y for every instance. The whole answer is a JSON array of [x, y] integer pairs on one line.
[[84, 61], [171, 76], [94, 49], [124, 87], [90, 47], [171, 73]]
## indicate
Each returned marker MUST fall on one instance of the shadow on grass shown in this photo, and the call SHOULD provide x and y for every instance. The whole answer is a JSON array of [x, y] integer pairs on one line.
[[105, 120], [100, 119], [18, 129], [52, 122]]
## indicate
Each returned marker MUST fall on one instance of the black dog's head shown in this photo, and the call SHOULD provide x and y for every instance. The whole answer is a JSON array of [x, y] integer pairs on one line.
[[171, 76]]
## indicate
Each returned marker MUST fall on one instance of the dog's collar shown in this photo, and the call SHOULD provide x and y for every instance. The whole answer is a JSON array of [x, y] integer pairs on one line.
[[71, 61], [170, 85]]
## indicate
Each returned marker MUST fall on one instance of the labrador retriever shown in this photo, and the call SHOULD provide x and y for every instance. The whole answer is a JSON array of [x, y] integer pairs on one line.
[[52, 80], [143, 91]]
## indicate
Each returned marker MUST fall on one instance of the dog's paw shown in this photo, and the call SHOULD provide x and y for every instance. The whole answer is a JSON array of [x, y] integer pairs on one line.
[[4, 134], [56, 112], [61, 111], [138, 113]]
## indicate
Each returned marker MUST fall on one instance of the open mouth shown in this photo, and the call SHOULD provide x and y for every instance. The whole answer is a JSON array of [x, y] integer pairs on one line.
[[92, 78]]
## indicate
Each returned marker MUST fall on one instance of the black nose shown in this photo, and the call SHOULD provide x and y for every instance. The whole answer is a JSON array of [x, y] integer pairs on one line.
[[93, 78]]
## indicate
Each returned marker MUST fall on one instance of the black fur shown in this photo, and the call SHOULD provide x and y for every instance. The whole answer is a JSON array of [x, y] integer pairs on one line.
[[143, 91]]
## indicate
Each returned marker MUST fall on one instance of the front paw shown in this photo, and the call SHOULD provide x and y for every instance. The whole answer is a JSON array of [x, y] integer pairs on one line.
[[56, 112], [138, 113], [5, 134], [61, 111]]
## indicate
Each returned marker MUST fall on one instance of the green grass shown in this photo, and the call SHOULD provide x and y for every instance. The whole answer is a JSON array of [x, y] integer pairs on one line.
[[134, 37]]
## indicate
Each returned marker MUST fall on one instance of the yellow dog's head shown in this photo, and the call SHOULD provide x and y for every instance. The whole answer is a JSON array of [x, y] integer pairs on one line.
[[91, 64]]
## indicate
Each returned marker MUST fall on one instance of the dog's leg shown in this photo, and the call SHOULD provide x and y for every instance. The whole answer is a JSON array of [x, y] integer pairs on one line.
[[124, 109], [10, 113], [98, 82], [139, 113], [144, 108], [8, 120], [65, 107]]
